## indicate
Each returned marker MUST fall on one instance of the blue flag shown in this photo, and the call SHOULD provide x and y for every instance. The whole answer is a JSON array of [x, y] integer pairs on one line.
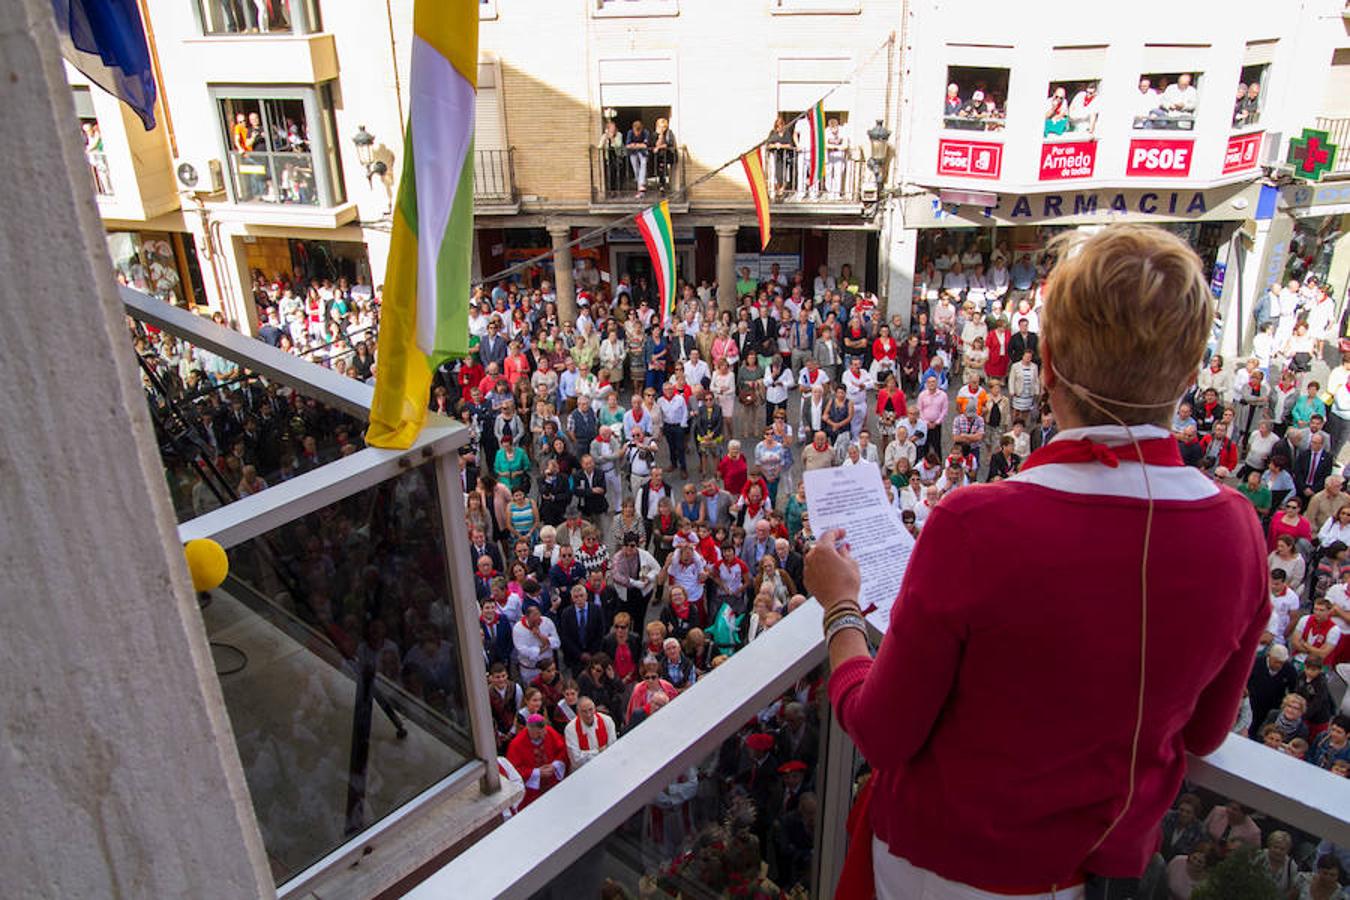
[[105, 39]]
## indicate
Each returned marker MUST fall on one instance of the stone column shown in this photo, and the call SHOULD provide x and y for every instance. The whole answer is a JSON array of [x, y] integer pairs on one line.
[[118, 749], [726, 265], [562, 272], [899, 253]]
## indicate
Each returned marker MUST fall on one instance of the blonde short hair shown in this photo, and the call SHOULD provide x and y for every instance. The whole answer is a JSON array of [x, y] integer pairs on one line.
[[1127, 315]]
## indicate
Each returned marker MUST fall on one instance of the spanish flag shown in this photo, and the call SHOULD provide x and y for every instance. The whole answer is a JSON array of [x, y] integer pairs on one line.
[[425, 317], [753, 163]]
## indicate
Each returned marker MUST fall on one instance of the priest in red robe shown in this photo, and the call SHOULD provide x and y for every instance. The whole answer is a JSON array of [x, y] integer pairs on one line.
[[539, 755]]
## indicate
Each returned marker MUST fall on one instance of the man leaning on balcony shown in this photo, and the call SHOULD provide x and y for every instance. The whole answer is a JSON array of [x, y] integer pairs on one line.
[[969, 798]]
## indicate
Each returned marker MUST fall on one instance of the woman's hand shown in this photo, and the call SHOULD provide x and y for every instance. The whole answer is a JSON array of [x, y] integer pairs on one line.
[[830, 571]]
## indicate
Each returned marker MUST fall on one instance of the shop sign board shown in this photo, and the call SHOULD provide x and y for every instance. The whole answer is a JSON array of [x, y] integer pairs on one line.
[[1159, 158], [1070, 159], [1242, 152], [974, 159]]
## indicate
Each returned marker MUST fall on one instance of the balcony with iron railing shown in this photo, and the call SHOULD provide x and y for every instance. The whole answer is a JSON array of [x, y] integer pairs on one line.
[[792, 190], [628, 181], [1338, 133], [494, 181]]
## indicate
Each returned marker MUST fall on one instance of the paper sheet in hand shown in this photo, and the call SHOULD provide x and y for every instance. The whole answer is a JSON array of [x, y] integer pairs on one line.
[[853, 498]]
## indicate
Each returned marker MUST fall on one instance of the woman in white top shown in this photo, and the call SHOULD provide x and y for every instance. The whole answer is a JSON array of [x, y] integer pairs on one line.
[[1259, 444], [1324, 884], [1337, 528]]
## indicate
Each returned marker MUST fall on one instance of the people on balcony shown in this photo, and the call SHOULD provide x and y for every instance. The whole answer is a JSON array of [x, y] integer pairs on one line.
[[1172, 107], [1083, 110], [801, 141], [612, 152], [1247, 107], [638, 146], [836, 158], [666, 153], [781, 152]]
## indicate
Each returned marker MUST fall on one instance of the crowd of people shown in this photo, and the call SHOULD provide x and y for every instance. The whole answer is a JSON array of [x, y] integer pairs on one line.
[[611, 576], [978, 110]]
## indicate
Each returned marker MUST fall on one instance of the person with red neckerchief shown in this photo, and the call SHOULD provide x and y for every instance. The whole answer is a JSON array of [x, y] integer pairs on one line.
[[967, 656]]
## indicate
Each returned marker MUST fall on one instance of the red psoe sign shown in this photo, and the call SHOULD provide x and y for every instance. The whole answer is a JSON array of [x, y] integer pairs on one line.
[[973, 159], [1159, 158], [1242, 152]]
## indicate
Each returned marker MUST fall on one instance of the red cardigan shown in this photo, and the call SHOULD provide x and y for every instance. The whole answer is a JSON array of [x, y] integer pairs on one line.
[[999, 717]]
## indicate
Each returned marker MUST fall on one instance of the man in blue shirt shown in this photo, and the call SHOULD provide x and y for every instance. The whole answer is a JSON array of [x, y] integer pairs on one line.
[[1023, 273]]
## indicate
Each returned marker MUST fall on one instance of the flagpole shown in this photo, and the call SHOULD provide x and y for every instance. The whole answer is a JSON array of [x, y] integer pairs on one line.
[[599, 230]]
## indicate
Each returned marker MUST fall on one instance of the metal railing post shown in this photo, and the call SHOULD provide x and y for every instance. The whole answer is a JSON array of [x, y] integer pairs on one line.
[[834, 795], [473, 671]]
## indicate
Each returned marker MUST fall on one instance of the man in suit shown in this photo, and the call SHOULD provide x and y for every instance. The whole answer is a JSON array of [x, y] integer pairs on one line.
[[479, 547], [589, 487], [492, 348], [1045, 432], [581, 628], [1024, 340], [1311, 467]]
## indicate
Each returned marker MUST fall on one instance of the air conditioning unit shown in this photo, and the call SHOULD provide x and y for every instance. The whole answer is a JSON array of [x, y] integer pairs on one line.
[[199, 176]]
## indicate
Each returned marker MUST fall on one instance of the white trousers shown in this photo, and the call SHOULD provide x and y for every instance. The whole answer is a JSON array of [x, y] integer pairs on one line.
[[898, 879]]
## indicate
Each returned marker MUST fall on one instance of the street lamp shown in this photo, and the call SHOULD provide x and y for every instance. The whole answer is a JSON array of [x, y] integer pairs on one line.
[[879, 135], [365, 154]]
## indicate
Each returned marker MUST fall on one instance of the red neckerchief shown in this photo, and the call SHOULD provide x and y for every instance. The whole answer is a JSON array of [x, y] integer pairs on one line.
[[1153, 452], [601, 733]]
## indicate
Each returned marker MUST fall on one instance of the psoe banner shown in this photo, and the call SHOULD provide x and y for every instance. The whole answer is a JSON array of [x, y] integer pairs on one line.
[[1070, 159], [1159, 158], [1242, 152], [974, 159]]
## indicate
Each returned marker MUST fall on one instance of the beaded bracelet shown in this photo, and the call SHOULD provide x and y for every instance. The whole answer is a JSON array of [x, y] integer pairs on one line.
[[847, 608], [844, 623]]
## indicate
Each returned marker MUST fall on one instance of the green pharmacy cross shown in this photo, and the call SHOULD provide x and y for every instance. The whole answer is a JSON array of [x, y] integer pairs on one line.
[[1312, 155]]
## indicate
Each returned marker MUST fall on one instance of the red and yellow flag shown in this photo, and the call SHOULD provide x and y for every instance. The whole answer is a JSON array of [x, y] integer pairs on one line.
[[753, 163]]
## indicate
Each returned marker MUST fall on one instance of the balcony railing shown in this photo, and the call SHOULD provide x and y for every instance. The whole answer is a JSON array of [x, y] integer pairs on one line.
[[248, 17], [494, 177], [786, 177], [98, 170], [274, 178], [612, 818], [617, 177], [1338, 131]]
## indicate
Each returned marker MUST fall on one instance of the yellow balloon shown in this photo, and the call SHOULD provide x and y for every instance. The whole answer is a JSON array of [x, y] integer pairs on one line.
[[207, 562]]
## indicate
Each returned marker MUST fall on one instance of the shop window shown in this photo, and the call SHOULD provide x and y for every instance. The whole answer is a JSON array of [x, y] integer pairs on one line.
[[281, 148], [258, 16], [976, 98], [1250, 96], [1167, 101], [1071, 108], [92, 137]]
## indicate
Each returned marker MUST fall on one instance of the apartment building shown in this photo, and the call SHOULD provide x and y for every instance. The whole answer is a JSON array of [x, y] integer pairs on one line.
[[198, 209], [1011, 133]]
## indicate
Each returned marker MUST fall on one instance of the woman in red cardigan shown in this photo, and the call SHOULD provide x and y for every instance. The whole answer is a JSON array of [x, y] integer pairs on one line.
[[891, 408], [996, 342], [969, 796]]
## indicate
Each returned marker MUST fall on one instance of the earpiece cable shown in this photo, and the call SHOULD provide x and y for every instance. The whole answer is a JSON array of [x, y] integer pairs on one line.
[[1091, 399]]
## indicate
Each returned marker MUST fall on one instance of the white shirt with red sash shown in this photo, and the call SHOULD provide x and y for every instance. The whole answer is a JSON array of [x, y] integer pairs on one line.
[[585, 741]]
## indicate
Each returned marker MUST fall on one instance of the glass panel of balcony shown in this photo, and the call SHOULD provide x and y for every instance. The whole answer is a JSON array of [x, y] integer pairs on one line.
[[334, 640], [225, 433], [742, 821]]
